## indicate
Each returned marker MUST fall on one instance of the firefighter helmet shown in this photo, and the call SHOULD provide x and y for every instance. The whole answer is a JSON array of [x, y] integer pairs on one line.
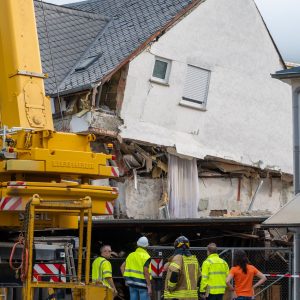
[[182, 242]]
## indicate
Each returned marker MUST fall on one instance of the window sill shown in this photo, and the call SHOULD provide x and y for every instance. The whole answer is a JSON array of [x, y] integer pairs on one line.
[[192, 105], [153, 80]]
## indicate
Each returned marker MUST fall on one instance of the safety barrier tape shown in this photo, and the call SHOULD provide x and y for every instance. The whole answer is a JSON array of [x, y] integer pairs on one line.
[[283, 275]]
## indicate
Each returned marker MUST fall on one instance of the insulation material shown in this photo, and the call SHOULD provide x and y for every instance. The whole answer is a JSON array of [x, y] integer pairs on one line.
[[183, 187]]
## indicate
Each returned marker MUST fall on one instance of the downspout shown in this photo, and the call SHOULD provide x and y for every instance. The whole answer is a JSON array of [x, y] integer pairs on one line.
[[296, 141]]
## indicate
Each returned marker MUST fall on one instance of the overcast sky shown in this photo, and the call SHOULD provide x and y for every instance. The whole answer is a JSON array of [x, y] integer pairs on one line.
[[282, 18]]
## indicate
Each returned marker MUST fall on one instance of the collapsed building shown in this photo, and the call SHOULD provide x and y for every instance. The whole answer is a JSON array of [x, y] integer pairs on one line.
[[202, 135]]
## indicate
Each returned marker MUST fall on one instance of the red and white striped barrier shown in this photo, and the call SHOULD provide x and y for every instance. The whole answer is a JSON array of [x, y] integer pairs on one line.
[[16, 183], [11, 203], [109, 208], [49, 272], [282, 275], [157, 267], [115, 171]]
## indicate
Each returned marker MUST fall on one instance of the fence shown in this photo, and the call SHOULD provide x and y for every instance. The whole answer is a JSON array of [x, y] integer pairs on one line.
[[272, 261]]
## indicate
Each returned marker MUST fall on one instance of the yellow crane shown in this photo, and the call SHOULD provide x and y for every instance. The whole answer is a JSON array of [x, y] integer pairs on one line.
[[43, 172]]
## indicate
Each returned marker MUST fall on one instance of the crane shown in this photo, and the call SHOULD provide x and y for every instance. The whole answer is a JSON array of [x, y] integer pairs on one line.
[[43, 172]]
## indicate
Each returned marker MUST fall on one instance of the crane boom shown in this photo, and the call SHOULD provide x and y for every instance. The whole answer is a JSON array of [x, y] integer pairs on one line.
[[43, 171], [22, 95]]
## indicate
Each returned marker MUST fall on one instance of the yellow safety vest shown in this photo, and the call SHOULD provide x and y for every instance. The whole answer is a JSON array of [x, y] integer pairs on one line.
[[101, 269], [188, 269], [134, 268], [214, 273]]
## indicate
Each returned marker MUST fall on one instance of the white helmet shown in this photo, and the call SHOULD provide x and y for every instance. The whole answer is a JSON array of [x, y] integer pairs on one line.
[[143, 242]]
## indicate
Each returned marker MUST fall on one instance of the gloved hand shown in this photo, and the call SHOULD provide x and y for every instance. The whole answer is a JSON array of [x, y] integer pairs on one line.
[[202, 296]]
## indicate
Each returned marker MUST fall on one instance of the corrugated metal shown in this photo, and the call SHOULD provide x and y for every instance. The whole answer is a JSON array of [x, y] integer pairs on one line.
[[196, 84]]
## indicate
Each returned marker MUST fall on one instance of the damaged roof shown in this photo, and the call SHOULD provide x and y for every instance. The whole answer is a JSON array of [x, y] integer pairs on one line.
[[64, 35], [90, 39]]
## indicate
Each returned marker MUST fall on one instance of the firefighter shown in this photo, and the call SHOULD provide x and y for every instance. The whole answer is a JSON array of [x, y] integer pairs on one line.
[[214, 272], [182, 272], [101, 269], [136, 271]]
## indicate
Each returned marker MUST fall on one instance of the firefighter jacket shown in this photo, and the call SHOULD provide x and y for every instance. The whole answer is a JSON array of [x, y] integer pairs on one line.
[[214, 272], [187, 268], [134, 268], [101, 269]]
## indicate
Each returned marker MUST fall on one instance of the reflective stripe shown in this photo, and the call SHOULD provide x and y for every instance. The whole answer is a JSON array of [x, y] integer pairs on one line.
[[204, 276], [129, 282], [134, 271], [171, 284], [187, 275], [182, 294], [100, 270], [213, 287], [217, 273], [175, 265], [107, 272]]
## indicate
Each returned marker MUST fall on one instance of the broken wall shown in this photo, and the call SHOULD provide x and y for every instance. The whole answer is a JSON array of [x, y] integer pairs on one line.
[[221, 196], [143, 202], [218, 197]]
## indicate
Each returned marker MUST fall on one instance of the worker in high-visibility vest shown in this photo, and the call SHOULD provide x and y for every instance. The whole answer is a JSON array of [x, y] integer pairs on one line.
[[101, 269], [182, 272], [136, 271], [214, 272]]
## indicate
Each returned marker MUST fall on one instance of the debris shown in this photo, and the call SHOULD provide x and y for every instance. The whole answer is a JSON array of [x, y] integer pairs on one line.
[[135, 178], [156, 172]]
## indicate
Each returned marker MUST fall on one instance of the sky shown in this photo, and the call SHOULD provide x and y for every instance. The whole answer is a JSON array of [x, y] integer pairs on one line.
[[282, 18]]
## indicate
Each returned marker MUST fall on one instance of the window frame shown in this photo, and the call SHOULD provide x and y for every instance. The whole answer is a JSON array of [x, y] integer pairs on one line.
[[167, 74], [185, 101]]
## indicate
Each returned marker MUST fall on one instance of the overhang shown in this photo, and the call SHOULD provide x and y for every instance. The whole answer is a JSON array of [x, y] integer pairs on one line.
[[287, 216], [287, 73], [246, 222]]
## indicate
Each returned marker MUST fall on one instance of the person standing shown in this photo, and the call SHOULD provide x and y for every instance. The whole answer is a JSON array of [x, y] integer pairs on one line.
[[101, 269], [136, 271], [243, 273], [214, 272], [182, 272]]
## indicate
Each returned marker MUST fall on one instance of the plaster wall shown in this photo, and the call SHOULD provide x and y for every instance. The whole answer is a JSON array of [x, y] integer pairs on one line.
[[222, 193], [248, 117], [143, 202], [218, 193]]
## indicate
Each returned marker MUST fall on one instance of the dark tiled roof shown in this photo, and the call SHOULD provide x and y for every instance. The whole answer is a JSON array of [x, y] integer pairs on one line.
[[287, 73], [132, 23], [70, 34]]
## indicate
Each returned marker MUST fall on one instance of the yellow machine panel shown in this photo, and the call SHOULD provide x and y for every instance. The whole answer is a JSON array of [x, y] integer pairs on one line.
[[45, 176]]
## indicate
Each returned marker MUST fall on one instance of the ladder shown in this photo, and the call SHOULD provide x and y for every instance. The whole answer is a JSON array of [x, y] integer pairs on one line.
[[70, 262]]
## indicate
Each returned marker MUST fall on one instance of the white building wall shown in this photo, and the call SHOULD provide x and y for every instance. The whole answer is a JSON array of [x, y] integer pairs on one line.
[[248, 117], [218, 194]]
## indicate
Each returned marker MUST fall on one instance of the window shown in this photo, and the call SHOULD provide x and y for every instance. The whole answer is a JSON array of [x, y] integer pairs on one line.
[[86, 62], [195, 87], [161, 70]]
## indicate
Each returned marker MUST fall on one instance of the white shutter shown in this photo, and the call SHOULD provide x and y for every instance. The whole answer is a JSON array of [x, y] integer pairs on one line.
[[196, 85]]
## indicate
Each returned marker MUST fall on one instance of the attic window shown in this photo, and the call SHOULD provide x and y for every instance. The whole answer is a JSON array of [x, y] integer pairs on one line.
[[196, 87], [161, 70], [86, 62]]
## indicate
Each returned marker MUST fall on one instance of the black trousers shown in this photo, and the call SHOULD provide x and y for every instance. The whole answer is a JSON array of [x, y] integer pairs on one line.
[[215, 297]]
